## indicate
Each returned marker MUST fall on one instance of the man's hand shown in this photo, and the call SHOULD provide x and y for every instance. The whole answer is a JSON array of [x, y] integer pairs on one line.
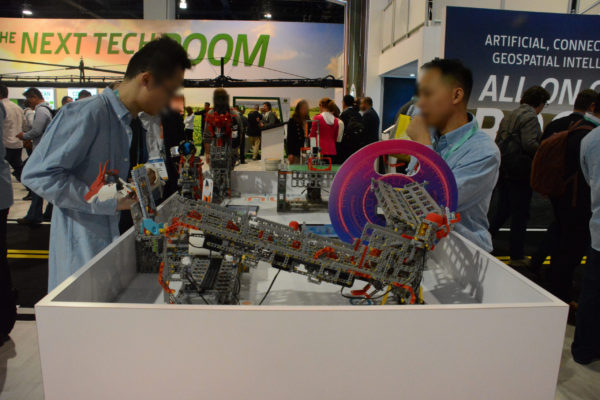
[[418, 132], [20, 135], [125, 203]]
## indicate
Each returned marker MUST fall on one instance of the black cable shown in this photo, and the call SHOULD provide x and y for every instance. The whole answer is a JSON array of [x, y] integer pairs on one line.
[[193, 282], [269, 289]]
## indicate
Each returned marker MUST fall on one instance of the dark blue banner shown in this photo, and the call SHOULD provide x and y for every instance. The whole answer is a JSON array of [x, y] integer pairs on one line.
[[510, 51]]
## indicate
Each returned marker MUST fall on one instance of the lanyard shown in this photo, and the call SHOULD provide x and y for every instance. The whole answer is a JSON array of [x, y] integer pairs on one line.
[[462, 141], [588, 119]]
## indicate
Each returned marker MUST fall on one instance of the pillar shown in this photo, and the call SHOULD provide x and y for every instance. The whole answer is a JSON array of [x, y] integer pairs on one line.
[[356, 28]]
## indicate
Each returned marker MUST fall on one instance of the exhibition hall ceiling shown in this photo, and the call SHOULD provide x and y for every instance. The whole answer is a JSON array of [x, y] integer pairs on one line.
[[279, 10]]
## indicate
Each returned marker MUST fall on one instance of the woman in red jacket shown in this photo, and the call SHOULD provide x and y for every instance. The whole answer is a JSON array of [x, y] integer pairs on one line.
[[331, 129]]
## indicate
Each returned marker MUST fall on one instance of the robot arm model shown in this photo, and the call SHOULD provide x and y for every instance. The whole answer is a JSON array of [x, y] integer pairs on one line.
[[391, 256]]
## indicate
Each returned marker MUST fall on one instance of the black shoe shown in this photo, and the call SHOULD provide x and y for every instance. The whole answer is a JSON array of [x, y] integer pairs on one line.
[[28, 197], [25, 221]]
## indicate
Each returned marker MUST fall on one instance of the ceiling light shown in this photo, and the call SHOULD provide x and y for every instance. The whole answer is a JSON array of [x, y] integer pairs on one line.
[[412, 75], [27, 11], [268, 15], [183, 4]]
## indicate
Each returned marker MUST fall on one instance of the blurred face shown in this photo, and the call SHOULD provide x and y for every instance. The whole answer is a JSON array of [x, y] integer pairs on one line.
[[67, 100], [154, 96], [438, 98], [303, 110], [33, 101], [264, 108], [206, 106], [363, 105]]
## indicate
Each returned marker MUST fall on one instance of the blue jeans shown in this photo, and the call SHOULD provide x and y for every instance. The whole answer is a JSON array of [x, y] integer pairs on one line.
[[586, 345]]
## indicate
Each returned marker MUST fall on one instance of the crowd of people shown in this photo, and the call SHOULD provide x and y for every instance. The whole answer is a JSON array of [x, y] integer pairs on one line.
[[339, 133], [133, 121]]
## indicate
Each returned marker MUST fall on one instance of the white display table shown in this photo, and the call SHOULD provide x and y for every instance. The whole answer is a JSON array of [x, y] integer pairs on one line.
[[486, 332]]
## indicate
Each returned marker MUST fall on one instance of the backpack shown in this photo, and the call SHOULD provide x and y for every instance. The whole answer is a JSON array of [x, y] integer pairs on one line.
[[355, 130], [548, 172], [515, 164], [52, 112]]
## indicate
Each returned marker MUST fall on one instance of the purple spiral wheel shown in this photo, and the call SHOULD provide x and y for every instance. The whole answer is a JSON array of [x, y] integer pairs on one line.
[[351, 202]]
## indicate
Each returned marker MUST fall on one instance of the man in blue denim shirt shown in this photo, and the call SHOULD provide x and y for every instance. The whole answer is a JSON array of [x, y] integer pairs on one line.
[[85, 135], [586, 345], [471, 154]]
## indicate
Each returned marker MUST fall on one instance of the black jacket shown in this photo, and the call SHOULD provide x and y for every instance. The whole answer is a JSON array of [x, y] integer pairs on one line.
[[561, 124], [295, 138], [253, 127], [371, 120]]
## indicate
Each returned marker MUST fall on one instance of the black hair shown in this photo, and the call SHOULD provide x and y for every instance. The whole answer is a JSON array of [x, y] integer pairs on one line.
[[585, 98], [161, 57], [33, 92], [597, 104], [3, 91], [268, 104], [83, 94], [207, 103], [455, 71], [64, 99], [535, 96], [368, 100], [348, 100]]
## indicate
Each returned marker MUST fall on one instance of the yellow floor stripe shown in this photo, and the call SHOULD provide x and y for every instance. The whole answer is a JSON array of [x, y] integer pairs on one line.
[[14, 251], [40, 256]]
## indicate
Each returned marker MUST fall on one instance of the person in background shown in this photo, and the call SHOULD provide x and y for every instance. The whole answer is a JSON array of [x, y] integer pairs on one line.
[[83, 94], [583, 103], [444, 90], [269, 119], [173, 133], [254, 132], [371, 120], [327, 130], [354, 129], [202, 113], [13, 125], [243, 132], [87, 135], [518, 138], [212, 130], [572, 212], [66, 100], [41, 120], [586, 344], [8, 308], [297, 131], [189, 123]]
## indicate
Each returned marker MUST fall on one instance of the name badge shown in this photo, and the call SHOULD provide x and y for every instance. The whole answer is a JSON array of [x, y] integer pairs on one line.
[[159, 165]]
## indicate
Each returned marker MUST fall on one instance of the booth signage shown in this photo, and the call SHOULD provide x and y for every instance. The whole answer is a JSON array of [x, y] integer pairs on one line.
[[249, 49], [510, 51]]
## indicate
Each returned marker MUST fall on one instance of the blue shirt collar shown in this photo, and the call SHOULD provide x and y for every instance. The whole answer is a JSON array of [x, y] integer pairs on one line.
[[118, 106], [452, 137]]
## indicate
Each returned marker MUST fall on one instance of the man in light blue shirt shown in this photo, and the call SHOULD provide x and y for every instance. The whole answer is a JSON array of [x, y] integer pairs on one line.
[[473, 157], [586, 345], [85, 135]]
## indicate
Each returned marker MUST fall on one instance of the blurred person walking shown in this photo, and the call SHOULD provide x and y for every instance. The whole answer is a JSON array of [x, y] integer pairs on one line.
[[297, 131], [518, 139], [189, 123], [41, 120], [12, 126]]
